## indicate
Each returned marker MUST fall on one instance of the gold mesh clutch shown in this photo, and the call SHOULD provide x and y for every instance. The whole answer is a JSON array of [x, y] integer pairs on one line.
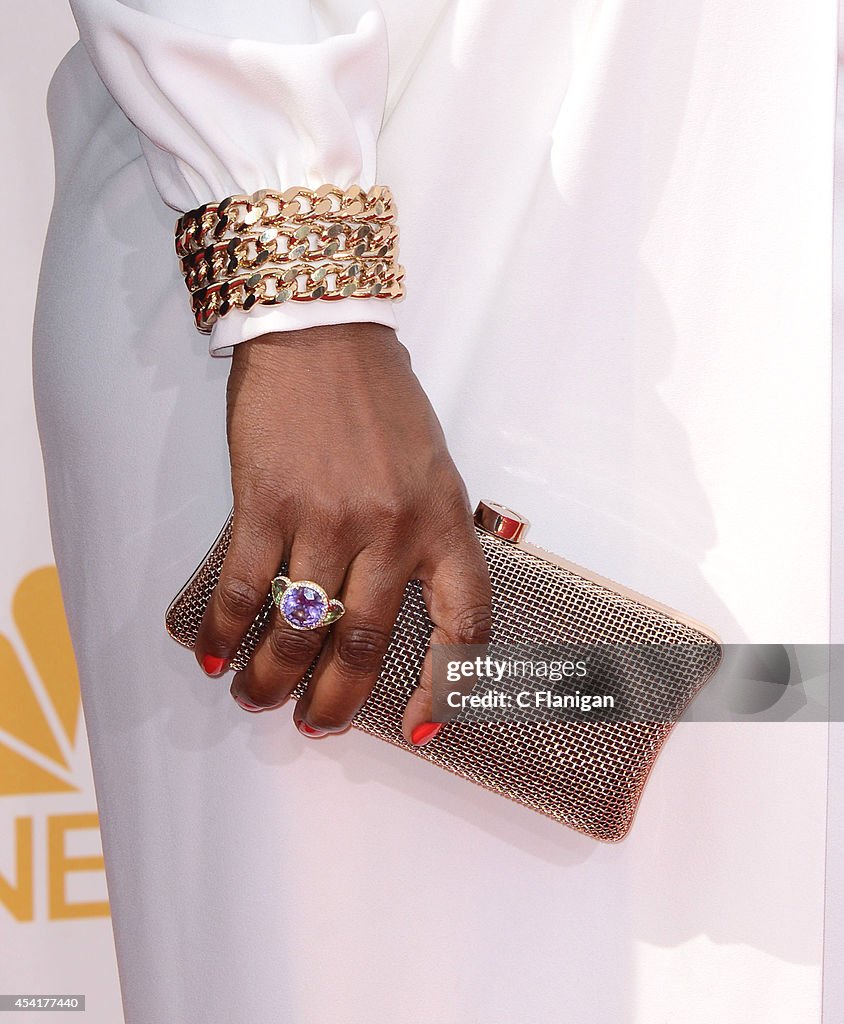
[[588, 775]]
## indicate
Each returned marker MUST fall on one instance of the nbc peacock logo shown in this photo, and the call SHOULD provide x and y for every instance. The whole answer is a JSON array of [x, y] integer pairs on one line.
[[39, 704], [44, 768]]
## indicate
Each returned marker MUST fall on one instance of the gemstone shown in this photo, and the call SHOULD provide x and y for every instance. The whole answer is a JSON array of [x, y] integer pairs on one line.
[[303, 605]]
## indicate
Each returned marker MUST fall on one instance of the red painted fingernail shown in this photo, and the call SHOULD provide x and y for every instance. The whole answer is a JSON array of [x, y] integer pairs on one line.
[[424, 732], [309, 730], [213, 666], [246, 705]]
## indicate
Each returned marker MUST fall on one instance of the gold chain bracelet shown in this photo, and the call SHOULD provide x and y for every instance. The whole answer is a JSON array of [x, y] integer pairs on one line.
[[299, 245], [205, 225], [340, 240], [301, 281]]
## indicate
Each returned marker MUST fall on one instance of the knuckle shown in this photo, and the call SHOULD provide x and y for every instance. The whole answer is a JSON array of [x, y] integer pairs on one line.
[[325, 506], [331, 719], [238, 598], [360, 649], [473, 624], [397, 522], [387, 513], [393, 509], [290, 648]]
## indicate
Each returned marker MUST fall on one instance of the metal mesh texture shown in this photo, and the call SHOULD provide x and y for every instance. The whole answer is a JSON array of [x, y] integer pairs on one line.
[[588, 775]]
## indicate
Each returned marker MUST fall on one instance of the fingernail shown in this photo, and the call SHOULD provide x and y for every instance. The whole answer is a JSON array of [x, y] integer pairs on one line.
[[309, 730], [424, 732], [246, 705], [213, 666]]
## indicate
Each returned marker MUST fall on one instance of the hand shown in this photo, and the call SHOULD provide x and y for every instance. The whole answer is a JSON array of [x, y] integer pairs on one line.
[[339, 465]]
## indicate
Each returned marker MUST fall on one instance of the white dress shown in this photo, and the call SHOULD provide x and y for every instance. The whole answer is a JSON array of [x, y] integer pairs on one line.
[[613, 217]]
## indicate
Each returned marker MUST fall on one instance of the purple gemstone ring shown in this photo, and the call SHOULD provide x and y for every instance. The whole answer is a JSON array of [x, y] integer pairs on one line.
[[303, 604]]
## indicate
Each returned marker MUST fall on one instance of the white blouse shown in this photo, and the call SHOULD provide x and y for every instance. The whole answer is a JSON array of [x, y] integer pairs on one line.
[[231, 98]]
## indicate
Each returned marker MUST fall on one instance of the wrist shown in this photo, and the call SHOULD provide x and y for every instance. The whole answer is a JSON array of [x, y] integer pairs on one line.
[[345, 356]]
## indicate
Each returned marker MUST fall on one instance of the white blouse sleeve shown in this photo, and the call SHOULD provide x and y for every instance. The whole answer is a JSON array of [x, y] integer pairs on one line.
[[237, 96]]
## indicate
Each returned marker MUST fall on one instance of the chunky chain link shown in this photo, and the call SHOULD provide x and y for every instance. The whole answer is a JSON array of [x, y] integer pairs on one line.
[[300, 281], [337, 240]]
